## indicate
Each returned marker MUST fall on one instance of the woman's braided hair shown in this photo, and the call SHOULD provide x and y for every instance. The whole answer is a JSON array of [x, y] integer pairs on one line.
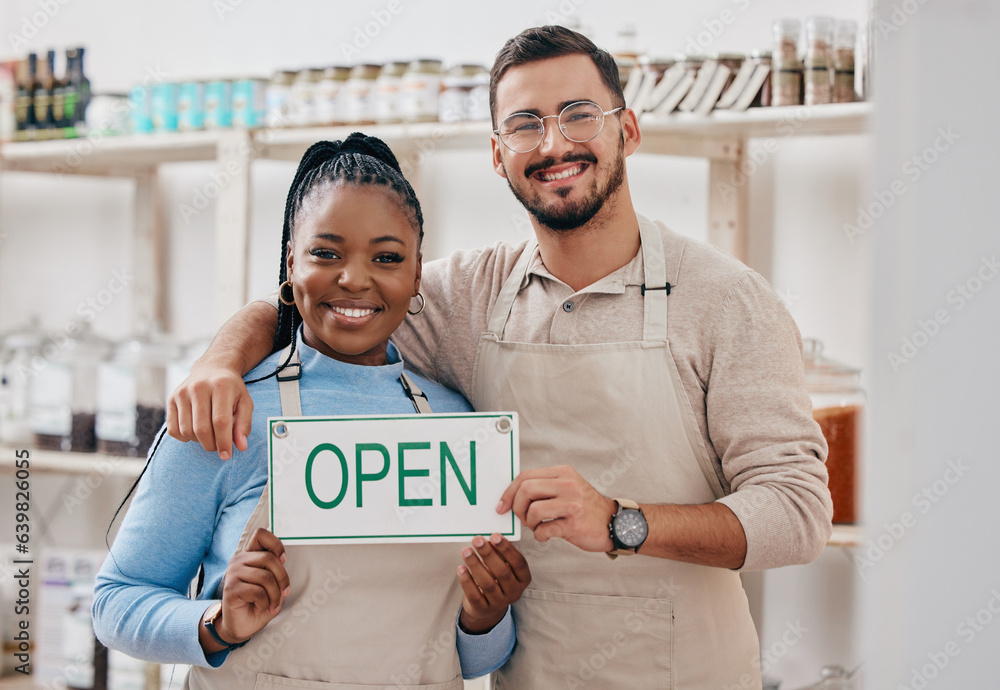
[[356, 161]]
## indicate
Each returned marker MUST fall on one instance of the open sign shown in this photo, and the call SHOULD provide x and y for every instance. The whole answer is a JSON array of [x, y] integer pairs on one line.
[[391, 478]]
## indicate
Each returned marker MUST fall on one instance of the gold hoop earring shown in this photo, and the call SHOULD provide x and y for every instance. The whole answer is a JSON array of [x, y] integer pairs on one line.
[[281, 294], [422, 305]]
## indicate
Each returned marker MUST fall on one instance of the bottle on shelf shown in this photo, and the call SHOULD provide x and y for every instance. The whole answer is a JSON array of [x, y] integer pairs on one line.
[[24, 98], [844, 46], [44, 85]]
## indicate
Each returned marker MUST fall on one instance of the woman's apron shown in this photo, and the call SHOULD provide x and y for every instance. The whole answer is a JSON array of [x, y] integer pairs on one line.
[[358, 617], [617, 413]]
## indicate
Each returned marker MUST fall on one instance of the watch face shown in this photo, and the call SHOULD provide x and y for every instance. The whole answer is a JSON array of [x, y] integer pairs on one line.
[[630, 528]]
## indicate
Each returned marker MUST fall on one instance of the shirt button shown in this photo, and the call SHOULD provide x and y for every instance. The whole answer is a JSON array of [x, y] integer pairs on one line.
[[568, 306]]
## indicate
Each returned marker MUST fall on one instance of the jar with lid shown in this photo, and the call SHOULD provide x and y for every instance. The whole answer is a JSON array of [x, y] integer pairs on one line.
[[360, 90], [385, 102], [786, 67], [818, 77], [279, 99], [18, 358], [838, 407], [844, 45], [331, 92], [63, 390], [131, 391], [420, 90], [303, 110], [459, 94], [479, 99]]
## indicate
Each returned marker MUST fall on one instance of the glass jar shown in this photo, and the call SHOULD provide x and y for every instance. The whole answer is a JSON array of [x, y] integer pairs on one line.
[[131, 394], [818, 76], [420, 91], [63, 391], [331, 95], [387, 93], [786, 67], [479, 99], [279, 99], [304, 97], [844, 45], [360, 89], [18, 357], [459, 94], [838, 407]]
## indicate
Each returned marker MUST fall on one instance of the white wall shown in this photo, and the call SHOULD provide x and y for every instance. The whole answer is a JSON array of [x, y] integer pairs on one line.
[[62, 240]]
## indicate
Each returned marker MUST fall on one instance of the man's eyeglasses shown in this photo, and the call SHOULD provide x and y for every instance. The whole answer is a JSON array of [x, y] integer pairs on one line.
[[579, 122]]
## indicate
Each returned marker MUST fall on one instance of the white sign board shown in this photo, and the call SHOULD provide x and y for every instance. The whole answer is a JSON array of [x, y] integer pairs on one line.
[[391, 478]]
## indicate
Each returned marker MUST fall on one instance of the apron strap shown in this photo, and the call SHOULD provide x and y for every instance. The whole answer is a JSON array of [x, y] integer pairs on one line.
[[291, 403], [655, 286], [511, 286], [416, 396], [288, 383]]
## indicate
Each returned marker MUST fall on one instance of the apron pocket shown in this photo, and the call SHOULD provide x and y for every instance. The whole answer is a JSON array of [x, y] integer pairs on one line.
[[590, 641], [266, 681]]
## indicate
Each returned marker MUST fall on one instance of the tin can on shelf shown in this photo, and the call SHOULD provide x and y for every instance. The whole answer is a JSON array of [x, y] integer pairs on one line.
[[219, 104], [165, 108], [249, 102], [191, 106], [140, 100], [421, 89]]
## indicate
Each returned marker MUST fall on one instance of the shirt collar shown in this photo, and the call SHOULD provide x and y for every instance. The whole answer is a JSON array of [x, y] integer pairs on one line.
[[612, 284]]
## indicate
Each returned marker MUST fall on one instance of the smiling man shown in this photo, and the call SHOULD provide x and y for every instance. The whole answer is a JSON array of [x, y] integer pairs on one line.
[[624, 347]]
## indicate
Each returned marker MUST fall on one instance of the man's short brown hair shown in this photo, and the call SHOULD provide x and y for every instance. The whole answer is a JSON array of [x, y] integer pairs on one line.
[[543, 42]]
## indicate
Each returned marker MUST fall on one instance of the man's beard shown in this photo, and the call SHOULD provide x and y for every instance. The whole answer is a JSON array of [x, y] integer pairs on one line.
[[574, 215]]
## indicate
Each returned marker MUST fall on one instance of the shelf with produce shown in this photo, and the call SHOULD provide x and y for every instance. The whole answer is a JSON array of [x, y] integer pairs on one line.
[[57, 462]]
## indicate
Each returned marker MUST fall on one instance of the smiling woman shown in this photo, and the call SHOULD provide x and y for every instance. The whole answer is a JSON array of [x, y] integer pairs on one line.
[[350, 265]]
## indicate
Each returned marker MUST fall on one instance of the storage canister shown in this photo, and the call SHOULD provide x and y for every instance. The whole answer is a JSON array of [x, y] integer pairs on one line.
[[818, 62], [131, 390], [844, 45], [360, 89], [331, 96], [18, 358], [165, 108], [279, 99], [191, 106], [838, 406], [304, 97], [458, 100]]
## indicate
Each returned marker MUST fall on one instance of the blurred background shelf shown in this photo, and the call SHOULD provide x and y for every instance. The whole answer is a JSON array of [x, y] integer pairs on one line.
[[49, 461]]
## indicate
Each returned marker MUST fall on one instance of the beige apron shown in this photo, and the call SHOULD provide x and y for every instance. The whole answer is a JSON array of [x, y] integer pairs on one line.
[[349, 606], [618, 414]]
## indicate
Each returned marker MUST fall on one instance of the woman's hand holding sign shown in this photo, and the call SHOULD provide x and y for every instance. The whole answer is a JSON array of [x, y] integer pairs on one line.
[[493, 577]]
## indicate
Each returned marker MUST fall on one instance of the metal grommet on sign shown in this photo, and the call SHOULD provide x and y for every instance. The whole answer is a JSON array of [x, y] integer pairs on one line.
[[504, 425], [280, 430]]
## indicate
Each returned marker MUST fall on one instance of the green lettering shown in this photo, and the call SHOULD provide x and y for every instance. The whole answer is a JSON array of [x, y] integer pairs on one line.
[[362, 477], [326, 505], [404, 473], [448, 459]]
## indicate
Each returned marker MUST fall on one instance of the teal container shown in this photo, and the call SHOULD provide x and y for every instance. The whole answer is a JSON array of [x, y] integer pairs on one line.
[[249, 102], [191, 106], [219, 104], [140, 101], [165, 108]]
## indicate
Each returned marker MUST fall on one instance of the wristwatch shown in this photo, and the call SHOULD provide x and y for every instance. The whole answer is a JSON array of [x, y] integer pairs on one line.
[[208, 620], [628, 529]]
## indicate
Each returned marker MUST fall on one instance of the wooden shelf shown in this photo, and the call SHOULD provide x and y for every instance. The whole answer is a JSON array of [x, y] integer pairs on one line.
[[682, 134], [847, 536], [48, 461]]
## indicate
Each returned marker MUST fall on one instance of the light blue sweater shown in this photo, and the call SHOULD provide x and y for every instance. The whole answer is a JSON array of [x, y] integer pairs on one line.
[[190, 509]]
